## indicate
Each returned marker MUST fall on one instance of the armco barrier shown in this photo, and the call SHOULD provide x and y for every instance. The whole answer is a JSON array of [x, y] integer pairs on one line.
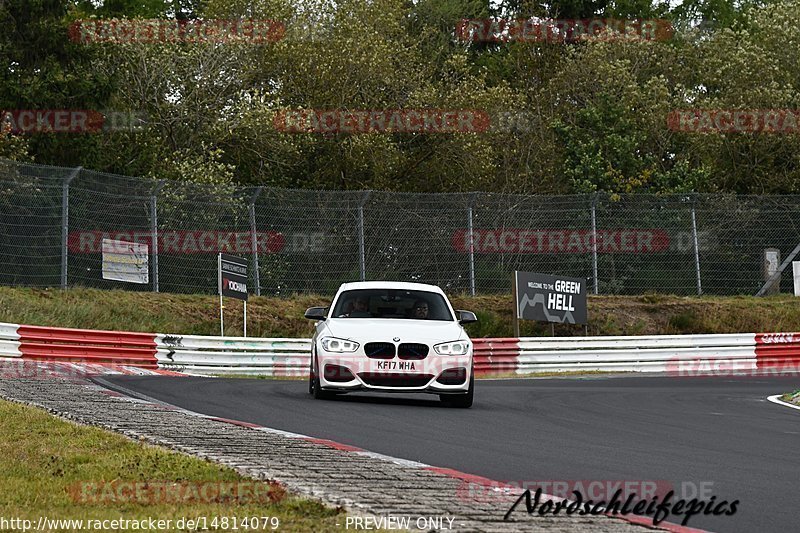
[[9, 340], [679, 355], [86, 345], [237, 355], [658, 353], [288, 357], [778, 352], [496, 356]]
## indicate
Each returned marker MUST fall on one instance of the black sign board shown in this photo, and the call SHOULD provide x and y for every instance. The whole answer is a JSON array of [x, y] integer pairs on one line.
[[550, 298], [233, 276]]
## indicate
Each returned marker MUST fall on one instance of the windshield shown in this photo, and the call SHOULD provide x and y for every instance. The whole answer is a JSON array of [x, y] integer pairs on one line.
[[391, 303]]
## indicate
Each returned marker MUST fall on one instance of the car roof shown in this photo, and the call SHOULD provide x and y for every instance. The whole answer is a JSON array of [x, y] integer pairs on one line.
[[401, 285]]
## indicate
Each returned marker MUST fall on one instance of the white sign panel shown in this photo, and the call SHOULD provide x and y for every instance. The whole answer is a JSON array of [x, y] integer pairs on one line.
[[796, 272], [125, 261]]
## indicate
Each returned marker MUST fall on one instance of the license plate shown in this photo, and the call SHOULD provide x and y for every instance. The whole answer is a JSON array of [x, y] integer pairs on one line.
[[395, 365]]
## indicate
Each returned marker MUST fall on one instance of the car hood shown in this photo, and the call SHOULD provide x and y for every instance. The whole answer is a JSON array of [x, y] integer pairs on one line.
[[386, 329]]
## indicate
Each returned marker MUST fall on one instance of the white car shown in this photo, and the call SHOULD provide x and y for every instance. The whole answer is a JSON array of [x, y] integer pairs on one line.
[[392, 337]]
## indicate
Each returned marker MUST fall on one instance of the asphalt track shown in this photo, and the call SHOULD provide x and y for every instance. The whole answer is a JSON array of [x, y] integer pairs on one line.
[[721, 434]]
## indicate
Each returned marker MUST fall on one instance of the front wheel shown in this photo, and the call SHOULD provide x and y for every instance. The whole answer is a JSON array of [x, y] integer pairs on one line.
[[314, 386], [311, 375], [460, 400]]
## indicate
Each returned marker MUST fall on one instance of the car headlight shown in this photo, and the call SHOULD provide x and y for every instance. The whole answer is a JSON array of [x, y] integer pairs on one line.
[[452, 348], [332, 344]]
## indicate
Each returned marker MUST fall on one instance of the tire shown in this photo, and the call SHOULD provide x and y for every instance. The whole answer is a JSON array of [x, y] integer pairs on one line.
[[320, 394], [314, 386], [311, 375], [463, 401]]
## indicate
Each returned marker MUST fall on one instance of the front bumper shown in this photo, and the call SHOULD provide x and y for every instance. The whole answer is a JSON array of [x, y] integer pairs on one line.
[[436, 374]]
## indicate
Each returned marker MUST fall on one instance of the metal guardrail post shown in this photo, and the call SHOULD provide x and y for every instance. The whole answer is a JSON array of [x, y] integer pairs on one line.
[[252, 211], [154, 229], [594, 245], [696, 250], [65, 223], [361, 248], [471, 246]]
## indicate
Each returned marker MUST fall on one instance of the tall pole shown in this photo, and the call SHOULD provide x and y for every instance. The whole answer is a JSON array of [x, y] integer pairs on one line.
[[65, 223], [154, 230], [696, 251], [594, 245], [219, 289], [257, 277], [361, 248], [471, 246], [515, 290]]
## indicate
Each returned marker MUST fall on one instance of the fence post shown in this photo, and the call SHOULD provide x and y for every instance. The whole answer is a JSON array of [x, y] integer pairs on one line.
[[594, 244], [252, 211], [361, 251], [471, 245], [696, 248], [154, 229], [65, 223]]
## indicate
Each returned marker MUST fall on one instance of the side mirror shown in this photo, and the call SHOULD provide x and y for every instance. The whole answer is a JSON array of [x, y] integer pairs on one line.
[[316, 313], [466, 317]]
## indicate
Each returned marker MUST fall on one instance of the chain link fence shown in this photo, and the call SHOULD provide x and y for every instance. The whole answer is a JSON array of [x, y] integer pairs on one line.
[[53, 221]]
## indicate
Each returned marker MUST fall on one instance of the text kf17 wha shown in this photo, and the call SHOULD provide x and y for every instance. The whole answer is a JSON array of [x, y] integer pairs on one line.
[[392, 337]]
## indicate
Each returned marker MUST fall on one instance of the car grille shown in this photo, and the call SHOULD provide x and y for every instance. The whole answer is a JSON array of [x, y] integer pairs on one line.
[[379, 350], [395, 380], [412, 350]]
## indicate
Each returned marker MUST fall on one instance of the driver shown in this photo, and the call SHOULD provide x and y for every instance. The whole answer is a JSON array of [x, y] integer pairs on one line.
[[360, 308], [419, 310]]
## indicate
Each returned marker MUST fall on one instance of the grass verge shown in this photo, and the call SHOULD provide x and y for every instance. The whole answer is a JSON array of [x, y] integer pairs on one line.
[[652, 314], [792, 397], [45, 463]]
